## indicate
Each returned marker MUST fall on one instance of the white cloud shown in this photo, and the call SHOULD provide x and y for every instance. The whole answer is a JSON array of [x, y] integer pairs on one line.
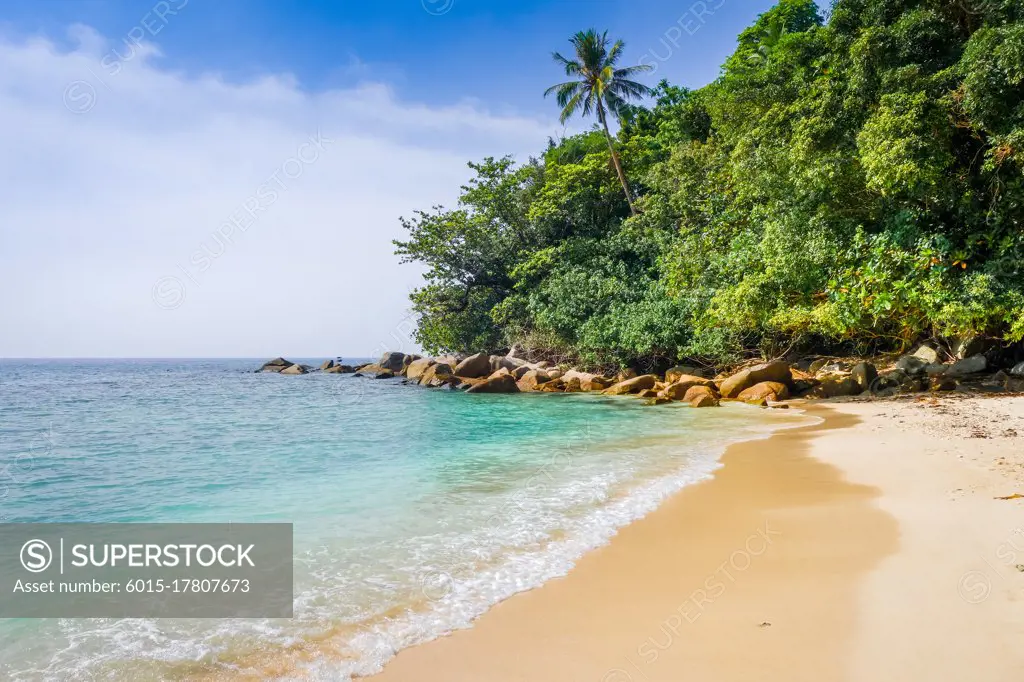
[[119, 173]]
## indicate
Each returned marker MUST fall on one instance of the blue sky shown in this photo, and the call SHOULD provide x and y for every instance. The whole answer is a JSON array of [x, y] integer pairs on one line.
[[227, 179], [432, 51]]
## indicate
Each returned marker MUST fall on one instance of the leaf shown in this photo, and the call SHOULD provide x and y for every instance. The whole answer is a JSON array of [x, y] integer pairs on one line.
[[1015, 496]]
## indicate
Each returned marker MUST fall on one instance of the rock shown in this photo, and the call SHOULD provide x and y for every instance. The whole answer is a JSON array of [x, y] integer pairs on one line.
[[817, 365], [648, 393], [659, 401], [683, 383], [969, 346], [293, 370], [634, 385], [543, 364], [533, 379], [327, 365], [766, 390], [936, 370], [554, 374], [415, 370], [834, 387], [340, 369], [516, 353], [944, 384], [438, 374], [392, 361], [1018, 370], [777, 371], [912, 365], [676, 373], [474, 367], [553, 386], [409, 359], [971, 365], [926, 353], [573, 385], [864, 375], [276, 365], [625, 375], [500, 382], [595, 384], [501, 362], [450, 360], [520, 372], [701, 396]]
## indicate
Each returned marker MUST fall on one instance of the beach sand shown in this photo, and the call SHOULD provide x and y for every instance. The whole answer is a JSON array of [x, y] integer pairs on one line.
[[870, 546]]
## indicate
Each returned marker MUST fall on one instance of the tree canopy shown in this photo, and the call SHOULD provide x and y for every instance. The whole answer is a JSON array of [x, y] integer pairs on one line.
[[855, 182]]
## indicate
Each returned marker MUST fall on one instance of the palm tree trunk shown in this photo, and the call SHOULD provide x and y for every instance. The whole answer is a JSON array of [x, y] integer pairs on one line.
[[615, 157]]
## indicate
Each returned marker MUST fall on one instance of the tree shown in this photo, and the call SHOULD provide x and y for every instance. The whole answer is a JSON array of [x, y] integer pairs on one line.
[[600, 87]]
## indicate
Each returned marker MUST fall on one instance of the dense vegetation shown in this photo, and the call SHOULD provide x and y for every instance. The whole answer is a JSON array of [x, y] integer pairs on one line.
[[851, 183]]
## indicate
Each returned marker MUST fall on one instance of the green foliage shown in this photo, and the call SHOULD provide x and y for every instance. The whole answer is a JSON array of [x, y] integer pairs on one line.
[[855, 182]]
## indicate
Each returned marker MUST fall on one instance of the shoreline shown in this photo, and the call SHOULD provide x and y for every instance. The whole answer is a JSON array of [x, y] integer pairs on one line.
[[806, 543]]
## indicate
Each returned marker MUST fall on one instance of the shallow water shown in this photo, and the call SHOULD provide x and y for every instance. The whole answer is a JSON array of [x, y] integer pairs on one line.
[[414, 510]]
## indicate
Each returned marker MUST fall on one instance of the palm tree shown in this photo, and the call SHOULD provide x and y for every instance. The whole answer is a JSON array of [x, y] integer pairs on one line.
[[599, 87]]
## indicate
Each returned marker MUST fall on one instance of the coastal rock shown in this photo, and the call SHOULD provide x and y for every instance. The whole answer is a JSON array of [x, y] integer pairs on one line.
[[864, 375], [777, 371], [971, 365], [766, 390], [276, 365], [944, 384], [417, 368], [327, 364], [520, 372], [936, 370], [450, 360], [438, 374], [1018, 370], [634, 385], [659, 401], [817, 365], [648, 393], [532, 379], [501, 362], [573, 385], [294, 370], [474, 367], [554, 374], [912, 365], [375, 371], [501, 381], [553, 386], [834, 387], [969, 346], [926, 353], [340, 369], [701, 396], [682, 384], [625, 375], [392, 361], [677, 373]]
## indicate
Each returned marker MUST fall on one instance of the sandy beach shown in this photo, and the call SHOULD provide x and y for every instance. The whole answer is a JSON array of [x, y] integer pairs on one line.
[[867, 545]]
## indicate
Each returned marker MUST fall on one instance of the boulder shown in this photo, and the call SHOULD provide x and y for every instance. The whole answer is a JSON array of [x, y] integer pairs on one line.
[[944, 384], [1017, 370], [969, 346], [595, 384], [409, 359], [777, 371], [936, 370], [701, 396], [417, 368], [912, 365], [676, 373], [450, 360], [501, 362], [817, 365], [625, 375], [766, 390], [648, 393], [293, 370], [683, 383], [516, 352], [926, 353], [554, 374], [573, 385], [499, 382], [834, 387], [327, 364], [971, 365], [520, 372], [659, 401], [438, 374], [532, 380], [474, 367], [276, 365], [392, 361], [340, 369], [634, 385], [864, 375], [553, 386]]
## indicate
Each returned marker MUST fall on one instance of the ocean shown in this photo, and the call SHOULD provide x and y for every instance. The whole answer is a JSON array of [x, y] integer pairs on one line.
[[414, 510]]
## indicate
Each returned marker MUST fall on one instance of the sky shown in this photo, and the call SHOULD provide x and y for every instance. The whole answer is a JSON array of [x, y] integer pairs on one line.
[[223, 178]]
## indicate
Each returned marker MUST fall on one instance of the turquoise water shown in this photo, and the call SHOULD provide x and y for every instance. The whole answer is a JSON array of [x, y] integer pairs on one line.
[[414, 510]]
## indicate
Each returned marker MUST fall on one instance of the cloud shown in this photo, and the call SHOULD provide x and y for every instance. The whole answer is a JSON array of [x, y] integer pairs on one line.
[[150, 213]]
